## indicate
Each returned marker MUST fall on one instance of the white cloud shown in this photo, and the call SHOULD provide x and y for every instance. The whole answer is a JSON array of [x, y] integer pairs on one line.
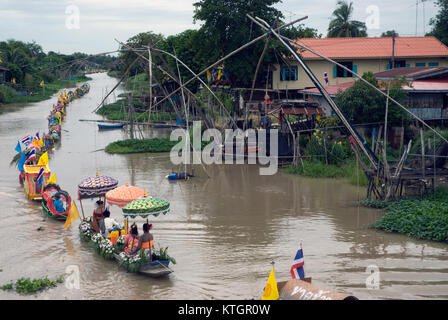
[[103, 20]]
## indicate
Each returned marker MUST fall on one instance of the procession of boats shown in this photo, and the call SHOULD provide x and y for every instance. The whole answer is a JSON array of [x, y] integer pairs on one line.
[[40, 185]]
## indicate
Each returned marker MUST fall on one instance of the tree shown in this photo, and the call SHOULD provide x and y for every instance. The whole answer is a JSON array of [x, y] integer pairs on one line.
[[440, 23], [226, 28], [342, 26], [363, 104], [390, 33]]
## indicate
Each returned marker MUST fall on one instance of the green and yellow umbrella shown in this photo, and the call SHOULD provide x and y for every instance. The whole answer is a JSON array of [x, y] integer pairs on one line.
[[146, 206]]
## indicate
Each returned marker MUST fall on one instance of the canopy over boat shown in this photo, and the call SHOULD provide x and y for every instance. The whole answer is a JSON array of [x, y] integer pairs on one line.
[[145, 207], [32, 189], [121, 196], [96, 186]]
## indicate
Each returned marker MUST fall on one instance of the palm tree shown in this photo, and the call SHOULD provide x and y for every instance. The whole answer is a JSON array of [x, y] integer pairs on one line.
[[342, 26]]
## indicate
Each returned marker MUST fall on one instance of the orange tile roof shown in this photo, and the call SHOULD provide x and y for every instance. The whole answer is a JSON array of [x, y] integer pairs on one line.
[[344, 48]]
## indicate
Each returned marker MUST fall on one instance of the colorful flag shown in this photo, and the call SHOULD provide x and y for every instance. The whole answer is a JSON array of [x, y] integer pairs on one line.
[[17, 148], [297, 270], [42, 83], [39, 177], [31, 156], [21, 161], [43, 160], [37, 136], [271, 290], [72, 216], [52, 179], [26, 140], [326, 77]]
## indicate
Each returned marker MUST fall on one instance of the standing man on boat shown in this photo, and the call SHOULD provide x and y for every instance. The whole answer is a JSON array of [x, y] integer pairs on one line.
[[98, 218]]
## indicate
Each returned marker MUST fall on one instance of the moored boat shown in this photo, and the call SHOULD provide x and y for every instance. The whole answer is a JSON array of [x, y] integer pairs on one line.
[[110, 126]]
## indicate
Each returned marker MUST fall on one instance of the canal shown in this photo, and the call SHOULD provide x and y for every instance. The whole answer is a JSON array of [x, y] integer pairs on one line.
[[224, 231]]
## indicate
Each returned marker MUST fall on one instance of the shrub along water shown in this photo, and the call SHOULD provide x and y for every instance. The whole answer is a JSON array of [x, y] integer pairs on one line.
[[422, 218], [141, 146]]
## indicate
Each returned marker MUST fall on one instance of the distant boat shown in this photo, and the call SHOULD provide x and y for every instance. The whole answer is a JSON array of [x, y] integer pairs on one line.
[[110, 126]]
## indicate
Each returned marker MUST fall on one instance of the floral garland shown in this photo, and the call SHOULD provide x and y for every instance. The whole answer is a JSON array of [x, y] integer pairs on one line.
[[132, 263]]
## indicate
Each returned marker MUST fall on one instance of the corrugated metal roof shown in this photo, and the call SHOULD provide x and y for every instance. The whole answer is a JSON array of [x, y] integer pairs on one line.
[[364, 47]]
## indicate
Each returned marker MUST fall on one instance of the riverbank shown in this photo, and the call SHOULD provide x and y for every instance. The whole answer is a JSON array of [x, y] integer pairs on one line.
[[9, 95], [422, 218], [116, 111], [318, 169]]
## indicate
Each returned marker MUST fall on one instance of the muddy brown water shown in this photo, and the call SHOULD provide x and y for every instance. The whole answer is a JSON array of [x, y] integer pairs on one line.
[[223, 231]]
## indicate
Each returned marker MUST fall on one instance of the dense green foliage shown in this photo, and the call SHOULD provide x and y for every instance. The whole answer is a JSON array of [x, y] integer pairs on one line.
[[342, 25], [363, 104], [425, 218], [27, 285], [440, 22], [225, 27], [318, 169], [27, 65], [115, 111], [390, 33], [141, 146]]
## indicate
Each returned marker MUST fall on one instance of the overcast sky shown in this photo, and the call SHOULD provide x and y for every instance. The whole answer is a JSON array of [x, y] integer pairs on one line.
[[53, 23]]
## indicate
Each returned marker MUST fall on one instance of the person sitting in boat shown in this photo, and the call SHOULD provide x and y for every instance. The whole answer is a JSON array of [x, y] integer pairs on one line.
[[98, 218], [131, 241], [58, 203], [109, 223], [146, 241]]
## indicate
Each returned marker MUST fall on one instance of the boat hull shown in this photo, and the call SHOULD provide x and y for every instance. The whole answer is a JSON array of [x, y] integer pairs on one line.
[[50, 214], [153, 269]]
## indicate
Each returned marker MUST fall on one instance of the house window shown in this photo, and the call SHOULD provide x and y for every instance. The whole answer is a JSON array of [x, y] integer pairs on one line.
[[433, 64], [420, 64], [289, 73], [342, 73]]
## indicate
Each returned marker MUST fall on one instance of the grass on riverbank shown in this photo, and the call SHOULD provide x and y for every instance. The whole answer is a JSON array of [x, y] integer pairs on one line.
[[422, 218], [114, 111], [40, 94], [318, 169], [141, 146]]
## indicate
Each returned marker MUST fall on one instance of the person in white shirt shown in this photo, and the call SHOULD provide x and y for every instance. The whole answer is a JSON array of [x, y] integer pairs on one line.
[[109, 222]]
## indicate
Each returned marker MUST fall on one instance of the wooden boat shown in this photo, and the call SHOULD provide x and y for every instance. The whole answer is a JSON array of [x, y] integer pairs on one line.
[[32, 190], [153, 269], [110, 126], [49, 194]]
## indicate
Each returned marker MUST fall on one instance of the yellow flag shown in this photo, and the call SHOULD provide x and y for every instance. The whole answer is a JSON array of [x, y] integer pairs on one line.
[[52, 179], [1, 60], [271, 290], [13, 80], [41, 142], [42, 83], [72, 216], [43, 160]]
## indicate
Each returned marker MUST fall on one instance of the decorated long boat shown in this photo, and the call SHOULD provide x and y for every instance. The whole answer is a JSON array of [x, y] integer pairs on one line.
[[112, 247], [33, 189], [51, 193]]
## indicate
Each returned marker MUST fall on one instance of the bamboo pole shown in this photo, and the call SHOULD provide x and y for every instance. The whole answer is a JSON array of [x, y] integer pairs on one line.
[[232, 54]]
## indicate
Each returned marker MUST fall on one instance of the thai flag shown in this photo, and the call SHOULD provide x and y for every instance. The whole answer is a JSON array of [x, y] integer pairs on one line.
[[31, 155], [326, 77], [39, 177], [297, 270], [26, 140], [40, 174], [37, 136]]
